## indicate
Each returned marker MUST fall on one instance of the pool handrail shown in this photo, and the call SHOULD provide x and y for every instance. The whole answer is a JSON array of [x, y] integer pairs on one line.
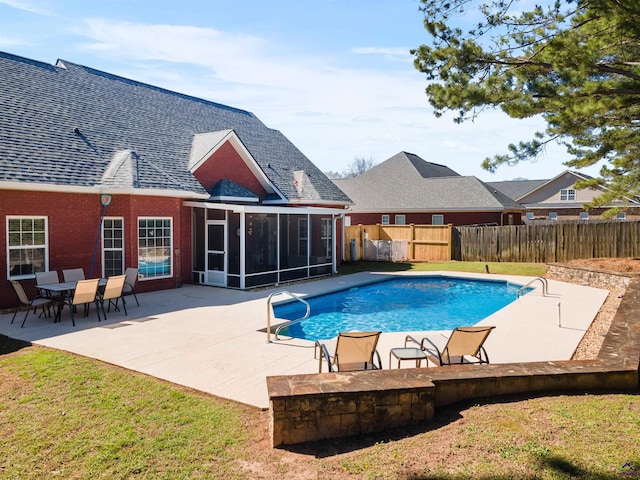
[[290, 322], [545, 286]]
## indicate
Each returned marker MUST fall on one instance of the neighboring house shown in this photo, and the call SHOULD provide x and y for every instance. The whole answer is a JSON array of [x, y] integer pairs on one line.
[[406, 189], [557, 199], [102, 172]]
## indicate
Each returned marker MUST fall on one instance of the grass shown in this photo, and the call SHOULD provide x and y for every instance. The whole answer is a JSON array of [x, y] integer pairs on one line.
[[65, 416]]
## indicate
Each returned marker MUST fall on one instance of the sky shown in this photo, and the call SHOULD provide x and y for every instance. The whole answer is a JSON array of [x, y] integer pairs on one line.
[[336, 77]]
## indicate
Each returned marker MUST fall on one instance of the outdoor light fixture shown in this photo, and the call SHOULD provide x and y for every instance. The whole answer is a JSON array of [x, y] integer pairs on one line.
[[105, 199]]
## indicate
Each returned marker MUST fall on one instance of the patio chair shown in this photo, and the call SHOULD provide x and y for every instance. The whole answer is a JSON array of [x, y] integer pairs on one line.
[[130, 283], [113, 291], [85, 293], [73, 274], [465, 345], [47, 278], [354, 351], [24, 301]]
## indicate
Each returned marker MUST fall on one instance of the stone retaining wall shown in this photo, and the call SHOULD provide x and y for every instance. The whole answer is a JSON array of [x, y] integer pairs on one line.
[[329, 405]]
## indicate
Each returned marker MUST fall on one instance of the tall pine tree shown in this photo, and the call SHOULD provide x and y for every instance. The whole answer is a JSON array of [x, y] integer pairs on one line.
[[576, 63]]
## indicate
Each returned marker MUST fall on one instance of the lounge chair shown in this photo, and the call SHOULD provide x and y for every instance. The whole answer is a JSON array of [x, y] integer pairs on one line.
[[465, 345], [113, 291], [25, 301], [130, 283], [354, 351]]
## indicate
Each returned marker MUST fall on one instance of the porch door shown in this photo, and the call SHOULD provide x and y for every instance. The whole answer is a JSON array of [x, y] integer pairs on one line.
[[216, 256]]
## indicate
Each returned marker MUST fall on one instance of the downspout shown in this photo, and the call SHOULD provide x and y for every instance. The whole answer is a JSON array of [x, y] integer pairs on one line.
[[334, 244], [243, 252]]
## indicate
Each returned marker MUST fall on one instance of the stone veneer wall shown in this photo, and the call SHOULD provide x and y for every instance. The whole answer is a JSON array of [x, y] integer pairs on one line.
[[616, 282], [312, 407]]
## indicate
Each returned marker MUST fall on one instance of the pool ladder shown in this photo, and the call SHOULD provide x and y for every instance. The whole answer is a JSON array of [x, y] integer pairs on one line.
[[545, 286], [285, 324]]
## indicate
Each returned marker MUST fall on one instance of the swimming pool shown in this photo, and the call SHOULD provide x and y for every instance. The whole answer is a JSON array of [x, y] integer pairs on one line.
[[399, 304]]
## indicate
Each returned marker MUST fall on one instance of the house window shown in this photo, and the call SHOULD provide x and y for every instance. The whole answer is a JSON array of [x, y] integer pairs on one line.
[[530, 215], [553, 215], [112, 246], [567, 195], [400, 219], [437, 219], [325, 236], [621, 216], [155, 244], [385, 220], [584, 215], [303, 236], [27, 246]]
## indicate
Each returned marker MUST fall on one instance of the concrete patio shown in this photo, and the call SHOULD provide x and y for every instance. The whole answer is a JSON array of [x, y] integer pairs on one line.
[[214, 339]]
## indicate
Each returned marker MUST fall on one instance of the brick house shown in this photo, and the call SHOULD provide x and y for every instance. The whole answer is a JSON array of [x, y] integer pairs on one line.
[[557, 199], [406, 189], [102, 172]]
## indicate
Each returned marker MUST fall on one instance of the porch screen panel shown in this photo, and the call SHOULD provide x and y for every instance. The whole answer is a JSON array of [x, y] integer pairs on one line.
[[261, 242], [27, 246], [293, 241], [321, 240], [155, 244]]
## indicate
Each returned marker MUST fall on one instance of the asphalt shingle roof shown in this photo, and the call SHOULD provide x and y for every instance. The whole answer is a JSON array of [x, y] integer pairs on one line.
[[517, 188], [71, 125], [396, 185]]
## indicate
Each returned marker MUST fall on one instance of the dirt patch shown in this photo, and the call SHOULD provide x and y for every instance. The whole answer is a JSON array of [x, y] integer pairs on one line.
[[622, 265]]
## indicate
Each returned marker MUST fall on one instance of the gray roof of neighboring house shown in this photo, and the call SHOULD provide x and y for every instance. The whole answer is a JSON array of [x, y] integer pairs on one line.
[[397, 185], [71, 125], [517, 189]]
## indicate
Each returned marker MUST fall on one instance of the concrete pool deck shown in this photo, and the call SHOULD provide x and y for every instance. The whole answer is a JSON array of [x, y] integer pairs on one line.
[[214, 339]]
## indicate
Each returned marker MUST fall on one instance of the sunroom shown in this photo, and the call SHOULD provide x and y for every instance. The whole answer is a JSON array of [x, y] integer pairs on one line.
[[246, 246]]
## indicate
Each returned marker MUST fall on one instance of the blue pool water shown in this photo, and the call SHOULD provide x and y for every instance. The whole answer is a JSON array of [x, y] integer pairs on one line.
[[400, 304]]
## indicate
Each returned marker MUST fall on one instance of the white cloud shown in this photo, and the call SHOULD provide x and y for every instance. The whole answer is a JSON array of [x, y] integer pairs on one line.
[[332, 113], [36, 7], [11, 41]]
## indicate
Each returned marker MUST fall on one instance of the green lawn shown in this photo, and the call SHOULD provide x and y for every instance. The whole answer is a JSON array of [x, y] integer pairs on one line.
[[65, 416]]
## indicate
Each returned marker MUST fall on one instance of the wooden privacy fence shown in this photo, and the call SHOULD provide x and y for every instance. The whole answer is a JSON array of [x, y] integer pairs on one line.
[[424, 242], [547, 243]]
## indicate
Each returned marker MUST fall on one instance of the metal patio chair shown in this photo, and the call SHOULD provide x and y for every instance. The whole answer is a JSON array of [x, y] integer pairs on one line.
[[113, 291], [130, 283], [85, 293], [465, 345], [26, 302], [354, 351]]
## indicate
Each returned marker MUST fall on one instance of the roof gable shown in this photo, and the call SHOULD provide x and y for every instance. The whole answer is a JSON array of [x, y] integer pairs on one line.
[[217, 155]]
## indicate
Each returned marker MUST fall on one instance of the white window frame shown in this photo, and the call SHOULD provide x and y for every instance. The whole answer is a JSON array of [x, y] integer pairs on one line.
[[437, 219], [401, 220], [10, 248], [303, 236], [621, 216], [584, 216], [112, 249], [568, 195], [326, 237], [530, 215], [384, 220], [553, 215], [141, 275]]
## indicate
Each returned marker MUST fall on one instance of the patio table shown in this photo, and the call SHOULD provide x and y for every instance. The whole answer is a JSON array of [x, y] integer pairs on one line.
[[60, 290]]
